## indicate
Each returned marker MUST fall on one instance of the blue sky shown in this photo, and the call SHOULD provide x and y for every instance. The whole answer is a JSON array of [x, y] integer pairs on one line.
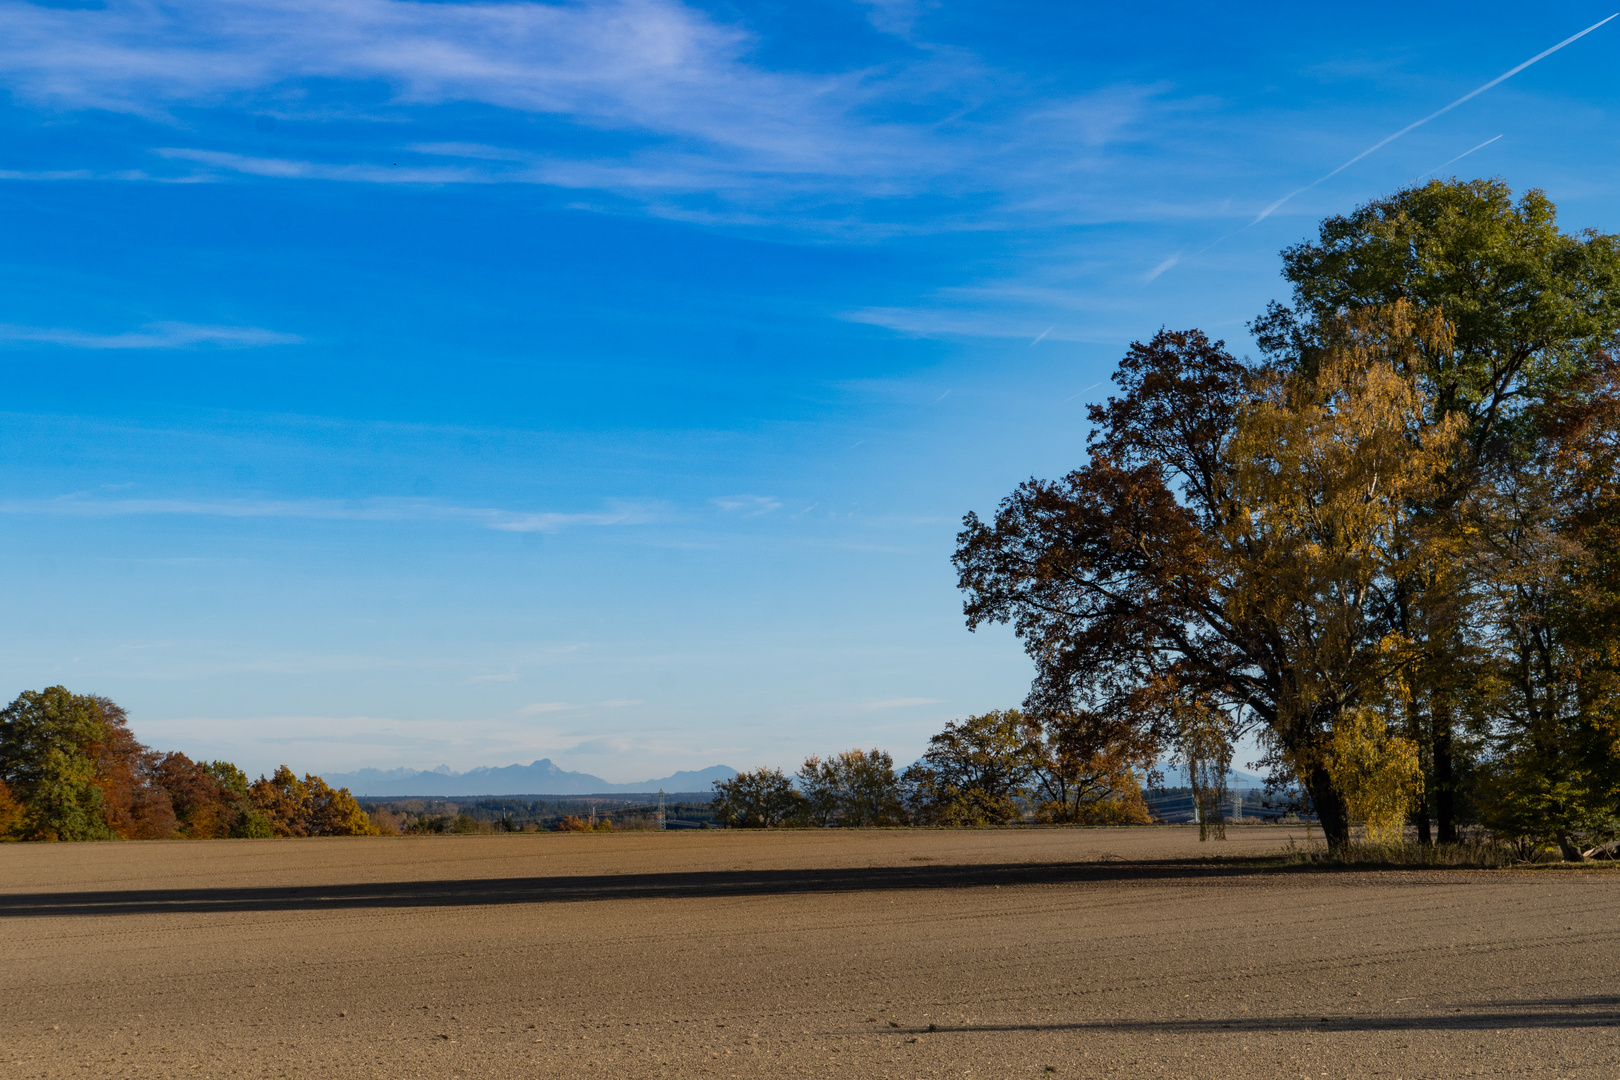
[[414, 383]]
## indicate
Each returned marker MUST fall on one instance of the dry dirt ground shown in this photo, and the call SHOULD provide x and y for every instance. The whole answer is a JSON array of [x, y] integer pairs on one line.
[[1074, 953]]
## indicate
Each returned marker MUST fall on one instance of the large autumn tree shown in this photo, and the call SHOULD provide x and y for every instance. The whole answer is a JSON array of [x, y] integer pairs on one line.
[[1231, 546], [1294, 544], [1532, 308]]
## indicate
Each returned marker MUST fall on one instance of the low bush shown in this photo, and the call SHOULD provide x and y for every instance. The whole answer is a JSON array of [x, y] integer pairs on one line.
[[1469, 854]]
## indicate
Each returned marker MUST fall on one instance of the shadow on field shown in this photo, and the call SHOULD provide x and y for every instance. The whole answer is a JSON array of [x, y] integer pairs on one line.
[[672, 886], [1497, 1016]]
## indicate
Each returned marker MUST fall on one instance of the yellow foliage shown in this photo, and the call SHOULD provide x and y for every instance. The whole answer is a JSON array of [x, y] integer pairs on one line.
[[1377, 773], [1126, 808]]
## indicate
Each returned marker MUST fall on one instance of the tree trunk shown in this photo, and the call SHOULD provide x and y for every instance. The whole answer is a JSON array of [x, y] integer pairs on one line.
[[1419, 730], [1330, 810], [1445, 788]]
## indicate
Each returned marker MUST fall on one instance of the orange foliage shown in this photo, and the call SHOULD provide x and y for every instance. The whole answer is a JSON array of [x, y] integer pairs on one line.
[[205, 808], [11, 813], [106, 784], [133, 806], [308, 807]]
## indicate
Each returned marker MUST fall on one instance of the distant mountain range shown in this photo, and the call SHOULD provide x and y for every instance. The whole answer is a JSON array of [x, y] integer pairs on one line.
[[542, 777]]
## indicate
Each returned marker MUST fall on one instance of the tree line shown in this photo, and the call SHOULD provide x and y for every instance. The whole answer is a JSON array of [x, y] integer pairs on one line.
[[70, 769], [984, 770], [1389, 547]]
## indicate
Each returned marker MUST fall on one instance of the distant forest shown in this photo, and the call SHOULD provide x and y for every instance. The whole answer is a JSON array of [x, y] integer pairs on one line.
[[995, 769]]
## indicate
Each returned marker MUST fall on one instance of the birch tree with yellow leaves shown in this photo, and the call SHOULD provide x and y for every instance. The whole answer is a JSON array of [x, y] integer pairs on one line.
[[1333, 467]]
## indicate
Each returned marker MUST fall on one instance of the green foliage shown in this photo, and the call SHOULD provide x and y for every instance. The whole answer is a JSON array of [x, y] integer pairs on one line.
[[1550, 803], [761, 799], [1533, 314], [70, 769], [819, 791], [467, 825], [1484, 854], [855, 788], [65, 803], [228, 776], [45, 760], [253, 824], [974, 771], [1530, 303]]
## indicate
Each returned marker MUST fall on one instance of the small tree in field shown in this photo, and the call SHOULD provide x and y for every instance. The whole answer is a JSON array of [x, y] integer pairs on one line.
[[762, 799], [1205, 747], [869, 790], [1088, 771], [819, 787], [857, 787], [975, 770]]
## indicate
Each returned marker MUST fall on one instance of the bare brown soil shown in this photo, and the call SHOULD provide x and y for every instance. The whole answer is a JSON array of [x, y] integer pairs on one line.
[[1074, 953]]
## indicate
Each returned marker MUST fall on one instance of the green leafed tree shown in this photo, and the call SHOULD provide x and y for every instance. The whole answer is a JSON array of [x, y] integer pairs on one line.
[[761, 799], [1532, 309], [46, 738], [854, 788], [975, 771]]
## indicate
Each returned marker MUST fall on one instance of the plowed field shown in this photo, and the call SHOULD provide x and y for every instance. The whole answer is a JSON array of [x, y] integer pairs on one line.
[[1074, 953]]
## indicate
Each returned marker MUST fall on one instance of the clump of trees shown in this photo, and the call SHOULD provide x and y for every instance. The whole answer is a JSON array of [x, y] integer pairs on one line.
[[70, 769], [762, 798], [1391, 546], [991, 769]]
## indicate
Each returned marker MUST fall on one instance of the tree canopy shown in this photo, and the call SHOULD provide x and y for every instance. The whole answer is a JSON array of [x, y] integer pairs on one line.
[[1387, 546]]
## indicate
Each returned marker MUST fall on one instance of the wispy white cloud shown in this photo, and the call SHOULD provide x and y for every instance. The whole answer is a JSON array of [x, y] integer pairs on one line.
[[747, 505], [1459, 157], [898, 17], [291, 169], [951, 318], [650, 64], [704, 130], [380, 510], [545, 707], [159, 335], [1161, 268]]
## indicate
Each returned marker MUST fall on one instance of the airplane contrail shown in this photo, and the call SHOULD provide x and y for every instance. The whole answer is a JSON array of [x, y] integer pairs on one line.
[[1438, 112], [1458, 158], [1071, 397], [1037, 341]]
